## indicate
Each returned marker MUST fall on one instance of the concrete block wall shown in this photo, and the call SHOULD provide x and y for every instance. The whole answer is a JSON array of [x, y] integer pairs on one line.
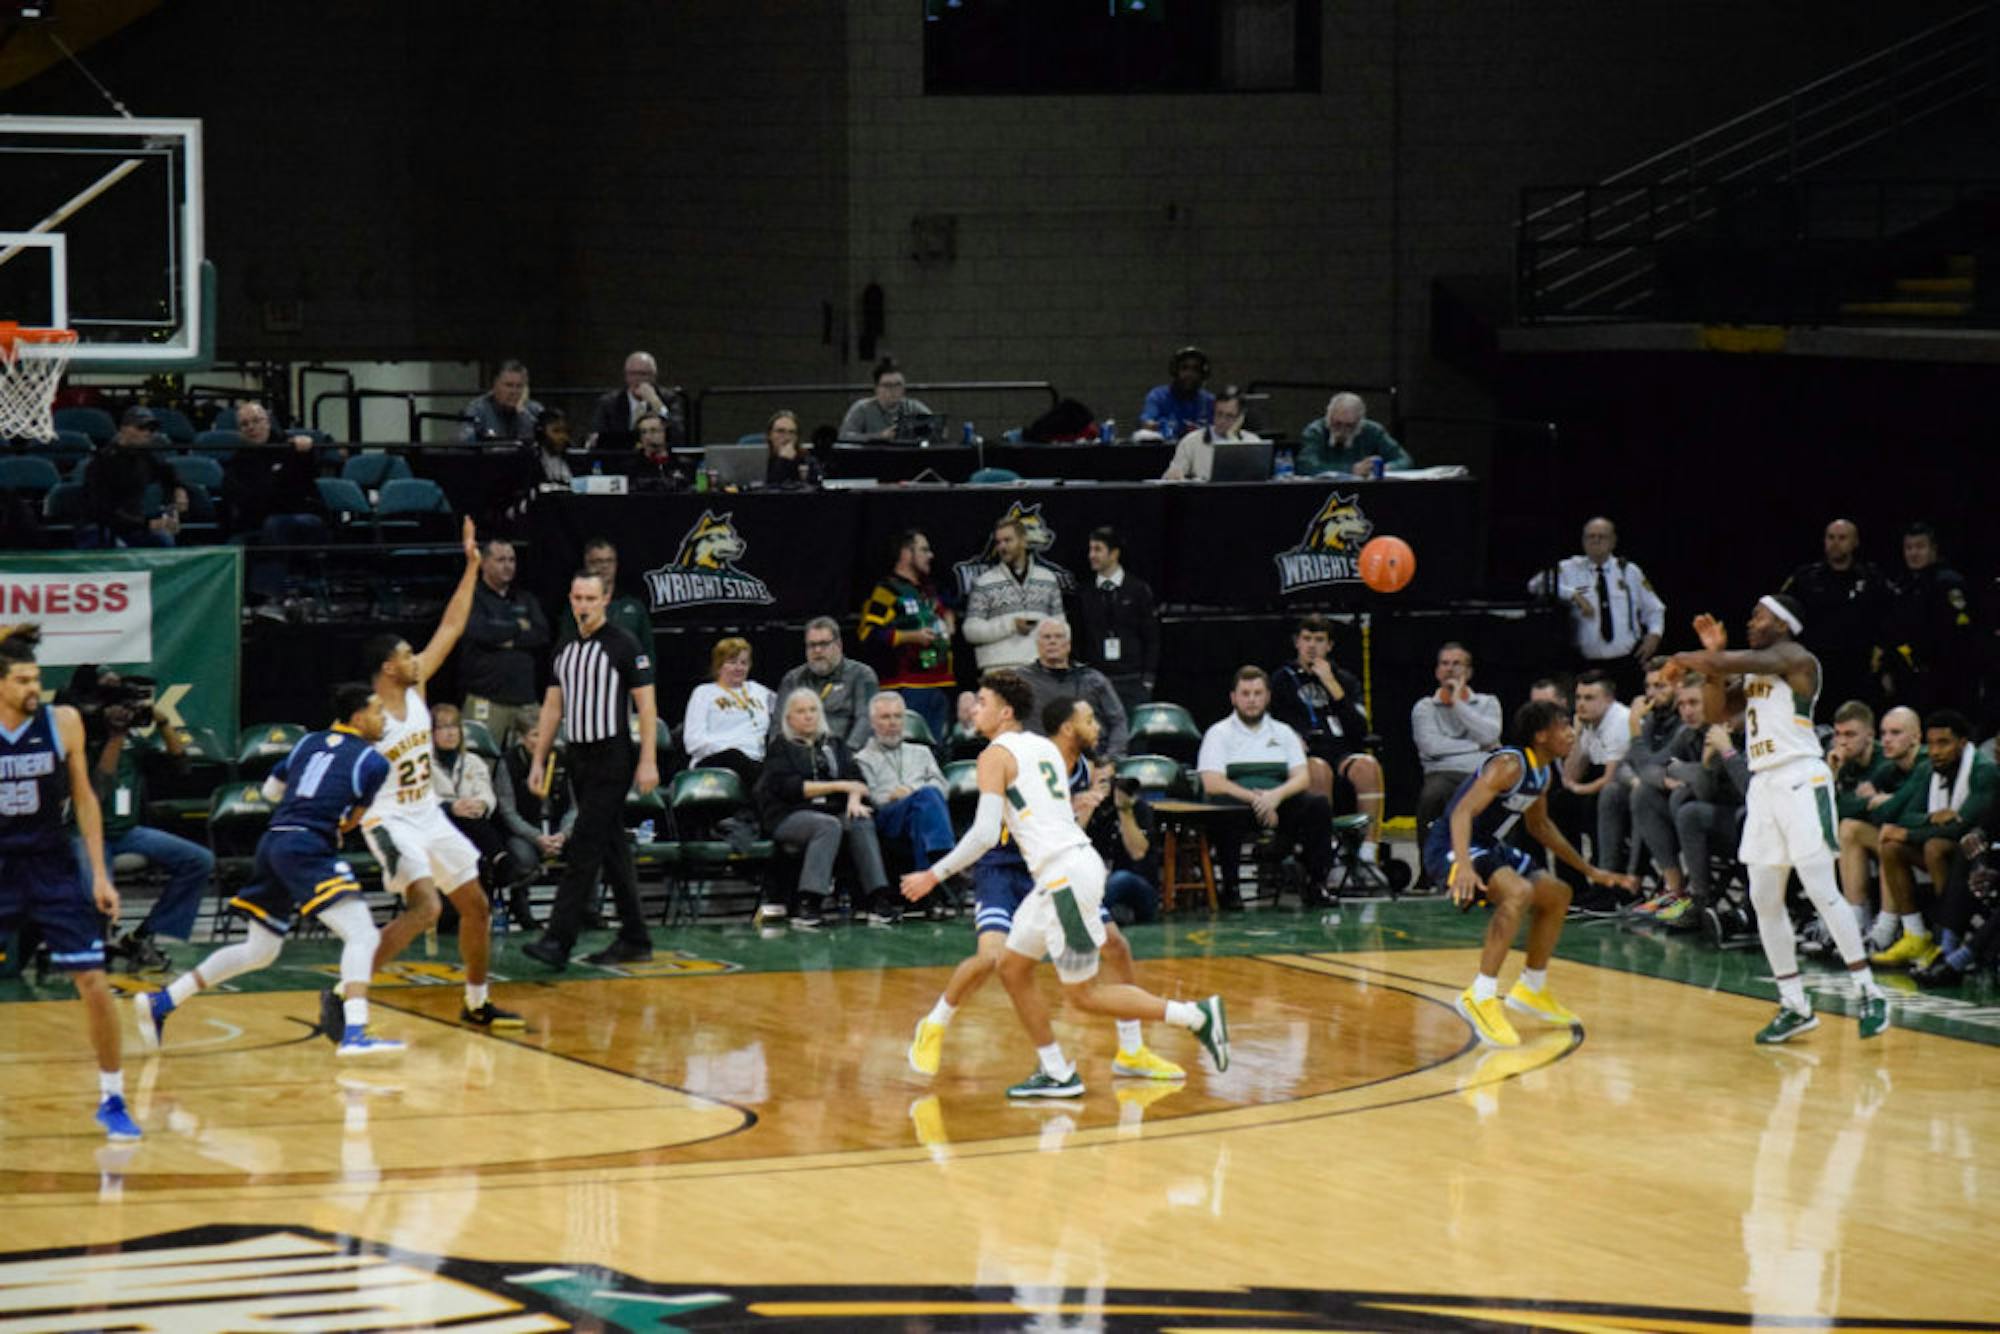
[[565, 183]]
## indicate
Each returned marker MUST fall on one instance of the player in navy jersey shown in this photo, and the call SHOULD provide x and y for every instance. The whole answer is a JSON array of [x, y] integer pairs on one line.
[[42, 767], [1468, 852], [300, 873]]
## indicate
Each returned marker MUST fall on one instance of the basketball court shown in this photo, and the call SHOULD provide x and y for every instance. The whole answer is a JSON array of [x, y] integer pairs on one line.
[[730, 1135]]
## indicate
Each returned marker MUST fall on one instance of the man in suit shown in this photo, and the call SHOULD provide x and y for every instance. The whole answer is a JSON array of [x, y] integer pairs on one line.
[[614, 421]]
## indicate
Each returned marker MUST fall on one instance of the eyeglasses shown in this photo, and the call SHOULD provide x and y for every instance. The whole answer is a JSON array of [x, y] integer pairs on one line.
[[821, 643]]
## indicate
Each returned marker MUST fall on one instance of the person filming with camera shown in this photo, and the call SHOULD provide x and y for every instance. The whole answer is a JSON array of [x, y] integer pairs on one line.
[[113, 707]]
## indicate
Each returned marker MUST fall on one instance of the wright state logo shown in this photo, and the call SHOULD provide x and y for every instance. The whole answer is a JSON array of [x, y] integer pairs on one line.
[[1330, 550], [704, 570], [1040, 538]]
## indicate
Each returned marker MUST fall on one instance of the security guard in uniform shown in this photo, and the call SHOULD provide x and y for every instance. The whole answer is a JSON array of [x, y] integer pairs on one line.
[[1615, 615], [1928, 654], [1846, 600]]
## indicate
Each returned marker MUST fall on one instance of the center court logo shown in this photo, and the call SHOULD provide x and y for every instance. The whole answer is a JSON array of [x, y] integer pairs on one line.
[[1329, 551], [1041, 538], [246, 1277], [704, 571]]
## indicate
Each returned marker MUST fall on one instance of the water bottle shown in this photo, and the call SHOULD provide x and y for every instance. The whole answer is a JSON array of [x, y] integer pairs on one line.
[[597, 467], [965, 435], [701, 479], [644, 831], [1281, 465], [1108, 432]]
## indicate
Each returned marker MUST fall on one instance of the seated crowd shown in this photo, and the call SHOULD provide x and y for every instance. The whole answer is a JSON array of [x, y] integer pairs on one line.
[[248, 477]]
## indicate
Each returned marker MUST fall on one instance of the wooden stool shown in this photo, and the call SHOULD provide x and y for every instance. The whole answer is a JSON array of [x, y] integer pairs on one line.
[[1180, 819]]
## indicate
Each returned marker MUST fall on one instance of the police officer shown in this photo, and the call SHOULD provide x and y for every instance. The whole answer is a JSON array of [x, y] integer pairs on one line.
[[1615, 616], [1846, 600], [1928, 648]]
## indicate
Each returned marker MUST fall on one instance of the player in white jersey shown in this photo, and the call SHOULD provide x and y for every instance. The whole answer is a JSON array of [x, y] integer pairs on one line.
[[419, 850], [1789, 814], [1022, 786]]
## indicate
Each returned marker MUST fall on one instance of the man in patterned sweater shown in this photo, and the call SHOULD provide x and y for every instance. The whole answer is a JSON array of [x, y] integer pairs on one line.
[[1009, 600], [906, 633]]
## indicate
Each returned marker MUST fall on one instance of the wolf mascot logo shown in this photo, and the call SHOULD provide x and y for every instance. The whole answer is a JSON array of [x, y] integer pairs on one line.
[[1328, 552], [704, 570]]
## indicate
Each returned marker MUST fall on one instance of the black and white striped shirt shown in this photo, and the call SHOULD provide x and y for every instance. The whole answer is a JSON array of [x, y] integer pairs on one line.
[[597, 676]]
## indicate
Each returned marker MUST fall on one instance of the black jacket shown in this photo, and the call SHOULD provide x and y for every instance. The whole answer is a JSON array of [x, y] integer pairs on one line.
[[1127, 613], [498, 660], [789, 765]]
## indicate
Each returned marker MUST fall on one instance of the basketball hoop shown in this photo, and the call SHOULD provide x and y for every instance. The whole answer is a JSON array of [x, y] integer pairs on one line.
[[31, 365]]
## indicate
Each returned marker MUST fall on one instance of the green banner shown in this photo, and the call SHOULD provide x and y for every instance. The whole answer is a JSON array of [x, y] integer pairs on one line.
[[170, 615]]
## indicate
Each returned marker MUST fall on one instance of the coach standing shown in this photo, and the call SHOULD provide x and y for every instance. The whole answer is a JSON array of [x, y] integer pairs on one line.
[[594, 676]]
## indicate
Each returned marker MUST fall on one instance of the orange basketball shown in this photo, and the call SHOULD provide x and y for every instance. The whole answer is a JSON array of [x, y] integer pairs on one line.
[[1387, 564]]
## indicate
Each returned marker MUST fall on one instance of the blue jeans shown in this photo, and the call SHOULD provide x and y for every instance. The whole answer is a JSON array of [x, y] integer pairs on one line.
[[932, 703], [189, 868], [1134, 893], [923, 818]]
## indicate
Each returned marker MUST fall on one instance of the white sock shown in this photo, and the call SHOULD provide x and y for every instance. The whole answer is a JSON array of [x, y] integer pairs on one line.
[[1883, 933], [1054, 1064], [1184, 1014], [1485, 987], [1535, 979], [1913, 925], [942, 1012], [110, 1083], [356, 1012], [1861, 915], [475, 995], [1130, 1038], [183, 988], [1864, 981], [1792, 991]]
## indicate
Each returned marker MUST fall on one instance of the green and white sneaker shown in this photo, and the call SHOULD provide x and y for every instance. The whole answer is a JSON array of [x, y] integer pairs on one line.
[[1214, 1031], [1787, 1024], [1874, 1011], [1039, 1085]]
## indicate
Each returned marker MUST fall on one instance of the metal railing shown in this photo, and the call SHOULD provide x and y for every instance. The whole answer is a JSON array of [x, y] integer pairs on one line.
[[353, 398], [1590, 252], [775, 395]]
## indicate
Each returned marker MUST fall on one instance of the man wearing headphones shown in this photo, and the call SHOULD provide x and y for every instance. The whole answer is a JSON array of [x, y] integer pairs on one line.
[[1181, 405]]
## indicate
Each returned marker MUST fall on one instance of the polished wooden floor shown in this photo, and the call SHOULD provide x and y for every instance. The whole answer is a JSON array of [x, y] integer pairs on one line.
[[723, 1133]]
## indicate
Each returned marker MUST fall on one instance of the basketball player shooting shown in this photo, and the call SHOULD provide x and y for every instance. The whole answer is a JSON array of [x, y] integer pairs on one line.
[[1789, 812]]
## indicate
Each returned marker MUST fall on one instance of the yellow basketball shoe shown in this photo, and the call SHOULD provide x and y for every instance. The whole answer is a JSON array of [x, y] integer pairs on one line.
[[1905, 952], [927, 1117], [927, 1047], [1142, 1063], [1541, 1004], [1488, 1019]]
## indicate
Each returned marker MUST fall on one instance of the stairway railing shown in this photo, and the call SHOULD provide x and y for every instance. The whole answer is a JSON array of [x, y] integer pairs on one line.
[[1589, 252]]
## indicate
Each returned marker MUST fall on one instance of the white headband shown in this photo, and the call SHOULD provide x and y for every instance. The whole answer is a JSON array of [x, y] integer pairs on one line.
[[1777, 609]]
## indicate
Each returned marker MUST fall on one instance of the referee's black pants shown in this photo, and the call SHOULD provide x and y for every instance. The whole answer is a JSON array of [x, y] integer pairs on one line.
[[600, 774]]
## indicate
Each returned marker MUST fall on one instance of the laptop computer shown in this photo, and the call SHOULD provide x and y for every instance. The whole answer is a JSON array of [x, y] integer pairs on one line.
[[1247, 461], [740, 466], [917, 428]]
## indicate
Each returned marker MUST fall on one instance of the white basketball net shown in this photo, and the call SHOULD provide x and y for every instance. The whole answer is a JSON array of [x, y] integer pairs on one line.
[[32, 362]]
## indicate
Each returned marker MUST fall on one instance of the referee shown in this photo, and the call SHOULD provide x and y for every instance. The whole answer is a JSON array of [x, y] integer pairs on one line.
[[593, 675]]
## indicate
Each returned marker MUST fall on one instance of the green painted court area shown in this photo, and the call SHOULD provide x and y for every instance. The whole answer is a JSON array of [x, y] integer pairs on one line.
[[686, 954]]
